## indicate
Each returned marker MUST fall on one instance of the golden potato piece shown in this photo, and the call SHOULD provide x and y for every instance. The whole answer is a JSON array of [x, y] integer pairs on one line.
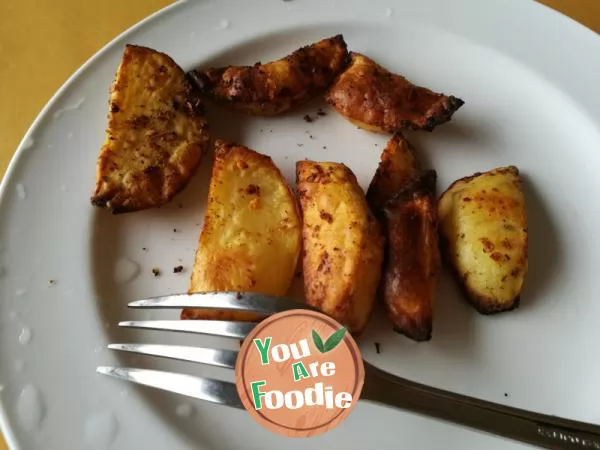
[[343, 246], [398, 166], [156, 134], [272, 88], [484, 233], [252, 234], [412, 266], [377, 100]]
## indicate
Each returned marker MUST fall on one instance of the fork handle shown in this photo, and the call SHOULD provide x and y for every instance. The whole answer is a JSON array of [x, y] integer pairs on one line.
[[524, 426]]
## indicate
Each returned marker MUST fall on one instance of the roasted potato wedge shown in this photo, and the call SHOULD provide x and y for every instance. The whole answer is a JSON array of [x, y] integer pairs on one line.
[[412, 266], [343, 246], [483, 225], [377, 100], [156, 134], [273, 88], [398, 166], [252, 235]]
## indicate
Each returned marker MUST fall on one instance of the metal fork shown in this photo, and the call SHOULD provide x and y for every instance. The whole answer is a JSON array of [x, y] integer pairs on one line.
[[381, 387]]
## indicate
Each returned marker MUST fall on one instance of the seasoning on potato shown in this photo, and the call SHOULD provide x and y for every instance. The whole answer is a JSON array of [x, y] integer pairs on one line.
[[275, 87], [343, 245], [375, 99], [252, 235], [412, 268], [483, 224], [156, 134]]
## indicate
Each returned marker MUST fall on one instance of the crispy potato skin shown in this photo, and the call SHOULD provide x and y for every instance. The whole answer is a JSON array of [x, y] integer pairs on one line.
[[483, 225], [156, 134], [412, 264], [252, 234], [273, 88], [343, 246], [377, 100], [398, 167]]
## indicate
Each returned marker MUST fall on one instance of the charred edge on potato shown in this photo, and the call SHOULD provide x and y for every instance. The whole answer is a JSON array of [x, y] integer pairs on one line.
[[508, 169], [423, 184], [374, 98], [451, 105], [242, 86], [393, 172], [418, 331], [206, 80], [483, 305], [417, 327]]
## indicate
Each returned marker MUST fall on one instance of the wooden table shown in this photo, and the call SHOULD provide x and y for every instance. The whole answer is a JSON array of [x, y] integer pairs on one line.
[[43, 43]]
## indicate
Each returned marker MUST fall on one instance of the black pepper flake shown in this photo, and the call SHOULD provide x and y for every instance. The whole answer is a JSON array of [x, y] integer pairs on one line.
[[178, 269], [144, 248], [321, 113], [378, 347], [156, 271], [506, 394], [51, 282], [307, 118], [324, 147], [300, 145], [174, 230], [239, 296], [311, 136]]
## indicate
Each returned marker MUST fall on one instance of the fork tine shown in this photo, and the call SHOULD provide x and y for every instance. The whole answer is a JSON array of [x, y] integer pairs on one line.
[[210, 356], [241, 301], [223, 328], [214, 391]]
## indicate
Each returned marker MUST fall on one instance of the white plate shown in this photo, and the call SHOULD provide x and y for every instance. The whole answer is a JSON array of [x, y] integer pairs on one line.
[[530, 81]]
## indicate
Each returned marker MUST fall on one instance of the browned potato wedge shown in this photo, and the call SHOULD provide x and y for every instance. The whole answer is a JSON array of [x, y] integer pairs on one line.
[[398, 167], [252, 234], [375, 99], [412, 267], [272, 88], [343, 246], [484, 231], [156, 134]]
